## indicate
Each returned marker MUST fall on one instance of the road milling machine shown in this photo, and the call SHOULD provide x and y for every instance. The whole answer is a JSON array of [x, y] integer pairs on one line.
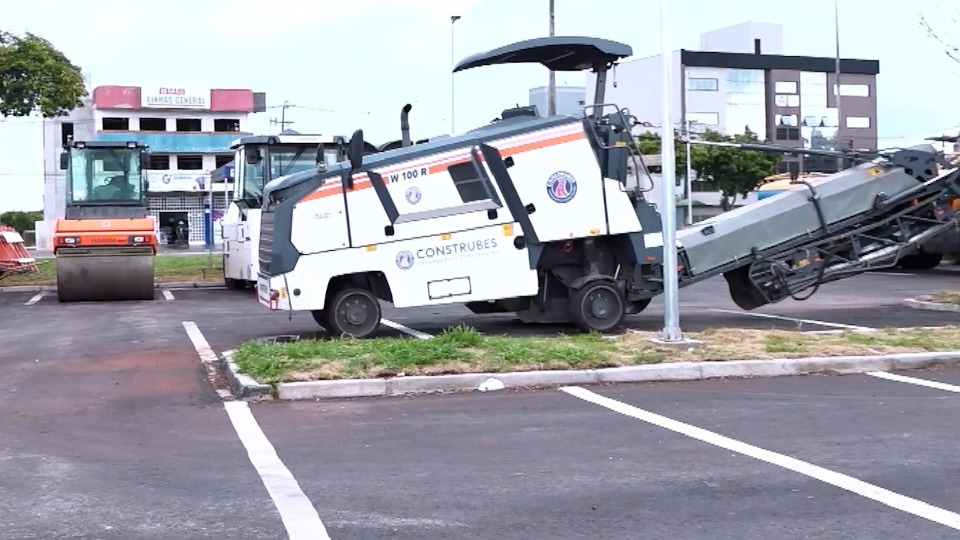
[[106, 243], [258, 160], [537, 216]]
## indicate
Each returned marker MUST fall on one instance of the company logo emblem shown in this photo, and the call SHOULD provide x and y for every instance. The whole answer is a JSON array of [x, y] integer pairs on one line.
[[413, 195], [165, 179], [404, 260], [105, 224], [561, 187]]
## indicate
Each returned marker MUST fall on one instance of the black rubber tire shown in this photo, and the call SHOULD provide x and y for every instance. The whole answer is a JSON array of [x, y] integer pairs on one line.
[[320, 316], [641, 305], [234, 284], [921, 261], [353, 312], [598, 306]]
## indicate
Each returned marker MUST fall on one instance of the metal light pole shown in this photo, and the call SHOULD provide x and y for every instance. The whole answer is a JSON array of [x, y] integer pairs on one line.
[[552, 86], [671, 311], [453, 62], [689, 175], [840, 123]]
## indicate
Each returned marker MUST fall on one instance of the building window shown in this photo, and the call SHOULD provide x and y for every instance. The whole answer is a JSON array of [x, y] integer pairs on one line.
[[66, 132], [705, 118], [787, 100], [785, 133], [226, 124], [701, 84], [785, 87], [853, 90], [159, 163], [786, 119], [190, 162], [858, 122], [222, 160], [189, 124], [153, 124], [116, 124]]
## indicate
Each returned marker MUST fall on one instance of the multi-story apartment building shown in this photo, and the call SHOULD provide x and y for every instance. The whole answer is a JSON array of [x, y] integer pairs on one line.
[[188, 132], [741, 79]]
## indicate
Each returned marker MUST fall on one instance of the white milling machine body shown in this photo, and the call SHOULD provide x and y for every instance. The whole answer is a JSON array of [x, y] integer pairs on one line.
[[258, 159], [536, 216]]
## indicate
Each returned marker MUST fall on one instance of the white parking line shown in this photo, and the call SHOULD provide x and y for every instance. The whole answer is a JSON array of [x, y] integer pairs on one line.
[[914, 380], [793, 319], [199, 342], [167, 295], [405, 329], [298, 514], [35, 298], [870, 491]]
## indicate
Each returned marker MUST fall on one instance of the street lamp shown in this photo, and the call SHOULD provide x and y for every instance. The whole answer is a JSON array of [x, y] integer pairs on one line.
[[671, 312], [453, 20]]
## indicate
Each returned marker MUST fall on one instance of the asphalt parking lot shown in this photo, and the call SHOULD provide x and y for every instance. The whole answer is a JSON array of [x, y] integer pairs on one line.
[[113, 429]]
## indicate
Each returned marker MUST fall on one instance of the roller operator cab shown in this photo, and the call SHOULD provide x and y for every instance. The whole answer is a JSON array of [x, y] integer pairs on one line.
[[544, 217], [106, 242], [258, 160]]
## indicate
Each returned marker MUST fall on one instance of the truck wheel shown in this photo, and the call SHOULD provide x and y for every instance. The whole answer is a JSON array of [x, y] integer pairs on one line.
[[921, 261], [598, 306], [353, 312]]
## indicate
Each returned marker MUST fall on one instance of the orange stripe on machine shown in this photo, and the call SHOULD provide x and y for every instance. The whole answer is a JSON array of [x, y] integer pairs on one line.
[[434, 164]]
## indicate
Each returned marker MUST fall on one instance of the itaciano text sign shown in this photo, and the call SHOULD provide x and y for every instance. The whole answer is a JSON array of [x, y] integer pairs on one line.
[[174, 98]]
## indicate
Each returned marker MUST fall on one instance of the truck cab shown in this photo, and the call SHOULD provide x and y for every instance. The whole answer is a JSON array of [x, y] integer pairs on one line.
[[258, 159]]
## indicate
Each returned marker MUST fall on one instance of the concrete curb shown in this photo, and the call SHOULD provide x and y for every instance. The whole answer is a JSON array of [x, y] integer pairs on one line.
[[168, 285], [244, 387], [674, 371], [931, 306]]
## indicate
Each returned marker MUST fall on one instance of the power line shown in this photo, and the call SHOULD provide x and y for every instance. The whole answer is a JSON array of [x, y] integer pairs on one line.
[[283, 116]]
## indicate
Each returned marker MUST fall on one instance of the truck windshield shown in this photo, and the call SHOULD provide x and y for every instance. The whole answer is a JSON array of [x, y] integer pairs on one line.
[[104, 175], [279, 161]]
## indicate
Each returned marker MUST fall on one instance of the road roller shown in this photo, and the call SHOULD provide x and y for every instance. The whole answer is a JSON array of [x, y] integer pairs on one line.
[[106, 243]]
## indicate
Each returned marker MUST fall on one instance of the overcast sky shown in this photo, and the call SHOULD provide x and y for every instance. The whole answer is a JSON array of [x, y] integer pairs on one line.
[[354, 63]]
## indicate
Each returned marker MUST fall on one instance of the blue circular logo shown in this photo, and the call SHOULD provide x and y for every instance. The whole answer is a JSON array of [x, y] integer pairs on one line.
[[413, 195], [404, 260], [561, 187]]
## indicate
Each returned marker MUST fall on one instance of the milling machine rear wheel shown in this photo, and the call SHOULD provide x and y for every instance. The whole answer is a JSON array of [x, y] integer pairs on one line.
[[353, 312], [921, 261], [105, 278], [598, 306]]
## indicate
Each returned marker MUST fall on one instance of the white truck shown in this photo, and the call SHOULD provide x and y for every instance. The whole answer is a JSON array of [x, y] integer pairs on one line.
[[258, 160], [536, 216]]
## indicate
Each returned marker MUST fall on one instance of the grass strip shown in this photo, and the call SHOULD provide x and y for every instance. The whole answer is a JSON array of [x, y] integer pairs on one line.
[[167, 268], [464, 350]]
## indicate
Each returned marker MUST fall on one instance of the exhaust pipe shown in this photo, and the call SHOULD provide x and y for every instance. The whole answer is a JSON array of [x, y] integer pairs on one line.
[[405, 126]]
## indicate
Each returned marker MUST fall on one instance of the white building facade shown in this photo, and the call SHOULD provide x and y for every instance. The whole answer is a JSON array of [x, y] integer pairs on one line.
[[742, 80], [188, 132]]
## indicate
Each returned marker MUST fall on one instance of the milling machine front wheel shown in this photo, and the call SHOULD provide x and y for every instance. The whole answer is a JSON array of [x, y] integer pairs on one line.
[[598, 306], [352, 312]]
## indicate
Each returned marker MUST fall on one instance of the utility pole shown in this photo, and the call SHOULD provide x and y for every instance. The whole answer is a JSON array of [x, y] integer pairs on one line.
[[840, 122], [552, 85], [283, 116], [453, 62]]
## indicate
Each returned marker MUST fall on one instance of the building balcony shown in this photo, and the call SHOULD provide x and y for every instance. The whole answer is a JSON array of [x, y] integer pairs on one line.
[[176, 143]]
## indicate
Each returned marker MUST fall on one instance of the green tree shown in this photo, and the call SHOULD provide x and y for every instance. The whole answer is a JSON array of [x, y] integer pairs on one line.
[[649, 144], [733, 170], [35, 76], [21, 221]]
